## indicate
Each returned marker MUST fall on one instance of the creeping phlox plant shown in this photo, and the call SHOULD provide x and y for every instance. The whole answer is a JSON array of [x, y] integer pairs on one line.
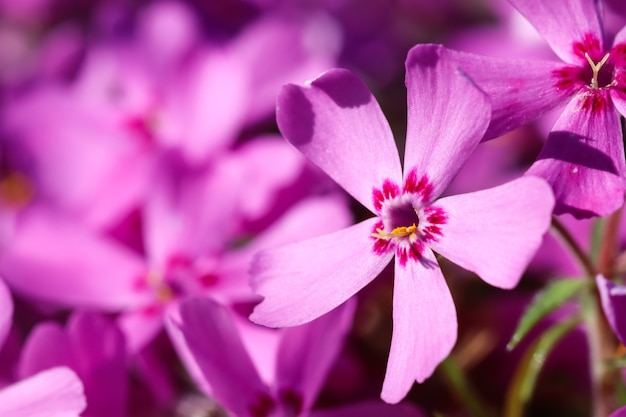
[[284, 208]]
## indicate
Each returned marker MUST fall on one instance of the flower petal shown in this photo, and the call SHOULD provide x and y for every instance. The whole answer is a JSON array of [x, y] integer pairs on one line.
[[583, 158], [496, 232], [209, 331], [520, 90], [562, 26], [6, 312], [447, 115], [307, 352], [613, 299], [336, 123], [56, 392], [304, 280], [424, 326], [53, 258]]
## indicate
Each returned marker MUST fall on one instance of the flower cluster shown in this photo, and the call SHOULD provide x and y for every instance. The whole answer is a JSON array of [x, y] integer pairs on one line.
[[206, 211]]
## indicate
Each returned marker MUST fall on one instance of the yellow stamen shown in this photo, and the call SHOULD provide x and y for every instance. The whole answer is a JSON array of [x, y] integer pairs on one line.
[[401, 231], [596, 68]]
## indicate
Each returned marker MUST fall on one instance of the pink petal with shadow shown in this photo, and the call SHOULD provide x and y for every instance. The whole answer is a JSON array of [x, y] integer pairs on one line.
[[583, 158], [496, 232], [337, 124], [307, 279]]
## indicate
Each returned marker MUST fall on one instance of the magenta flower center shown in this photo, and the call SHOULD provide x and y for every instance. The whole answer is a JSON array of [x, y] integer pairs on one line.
[[407, 220]]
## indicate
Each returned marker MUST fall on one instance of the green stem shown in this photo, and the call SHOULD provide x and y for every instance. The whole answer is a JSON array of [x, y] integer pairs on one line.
[[460, 386]]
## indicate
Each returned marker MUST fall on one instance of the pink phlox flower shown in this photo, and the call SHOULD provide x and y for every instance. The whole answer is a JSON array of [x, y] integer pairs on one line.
[[583, 158], [335, 122]]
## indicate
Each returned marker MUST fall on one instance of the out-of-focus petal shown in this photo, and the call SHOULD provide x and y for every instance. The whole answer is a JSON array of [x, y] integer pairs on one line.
[[307, 352], [304, 280], [205, 109], [53, 258], [6, 312], [613, 299], [496, 232], [279, 50], [583, 158], [94, 348], [53, 393], [209, 332], [520, 90], [309, 218], [140, 326], [447, 115], [336, 123], [562, 26], [424, 325]]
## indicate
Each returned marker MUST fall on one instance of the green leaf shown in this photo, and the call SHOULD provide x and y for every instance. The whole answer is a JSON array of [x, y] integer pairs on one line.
[[545, 302], [527, 371]]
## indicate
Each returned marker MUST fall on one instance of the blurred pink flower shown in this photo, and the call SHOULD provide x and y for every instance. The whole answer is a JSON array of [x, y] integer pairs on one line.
[[296, 362]]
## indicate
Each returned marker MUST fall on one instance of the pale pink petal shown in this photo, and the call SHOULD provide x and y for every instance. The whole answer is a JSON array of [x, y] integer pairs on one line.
[[424, 325], [520, 90], [447, 116], [53, 393], [206, 106], [370, 409], [282, 50], [613, 299], [209, 331], [309, 218], [336, 122], [583, 159], [307, 352], [140, 326], [6, 312], [47, 346], [496, 232], [304, 280], [563, 24], [53, 258]]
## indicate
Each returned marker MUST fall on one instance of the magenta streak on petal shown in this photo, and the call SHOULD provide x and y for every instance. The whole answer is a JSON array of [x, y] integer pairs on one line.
[[381, 246], [594, 101], [423, 187], [570, 78], [389, 191], [589, 44]]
